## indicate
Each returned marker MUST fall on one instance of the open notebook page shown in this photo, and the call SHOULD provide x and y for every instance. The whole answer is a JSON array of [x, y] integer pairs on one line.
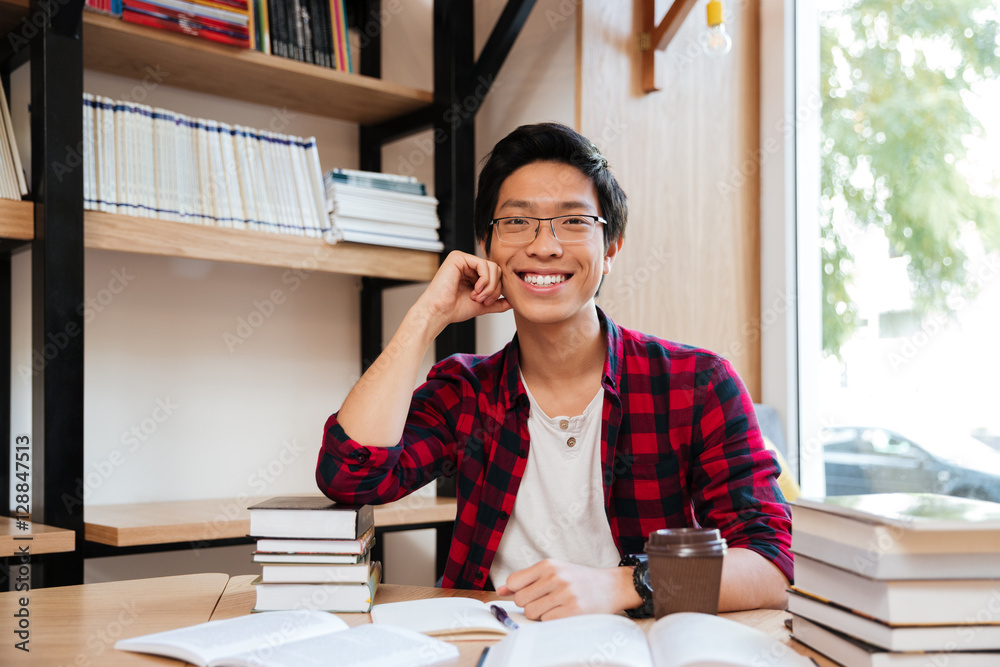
[[202, 643], [362, 646], [595, 639]]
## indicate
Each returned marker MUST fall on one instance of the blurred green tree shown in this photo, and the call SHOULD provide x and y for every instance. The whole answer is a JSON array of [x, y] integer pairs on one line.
[[895, 128]]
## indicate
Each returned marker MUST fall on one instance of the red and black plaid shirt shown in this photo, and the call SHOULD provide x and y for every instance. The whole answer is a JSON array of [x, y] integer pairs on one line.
[[680, 447]]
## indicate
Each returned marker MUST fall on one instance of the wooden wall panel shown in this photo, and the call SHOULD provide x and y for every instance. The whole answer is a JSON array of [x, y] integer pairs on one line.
[[686, 156]]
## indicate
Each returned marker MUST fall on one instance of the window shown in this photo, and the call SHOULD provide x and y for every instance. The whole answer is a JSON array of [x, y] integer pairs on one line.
[[907, 353]]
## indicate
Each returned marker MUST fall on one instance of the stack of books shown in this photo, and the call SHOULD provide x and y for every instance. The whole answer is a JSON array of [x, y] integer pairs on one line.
[[223, 21], [897, 579], [381, 209], [315, 554], [12, 183], [310, 31], [154, 163]]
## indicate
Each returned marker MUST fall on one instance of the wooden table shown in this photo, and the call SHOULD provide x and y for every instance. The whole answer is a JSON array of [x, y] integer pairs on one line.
[[78, 625]]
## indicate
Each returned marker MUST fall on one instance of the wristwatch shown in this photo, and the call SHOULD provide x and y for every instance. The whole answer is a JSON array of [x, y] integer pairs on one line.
[[640, 579]]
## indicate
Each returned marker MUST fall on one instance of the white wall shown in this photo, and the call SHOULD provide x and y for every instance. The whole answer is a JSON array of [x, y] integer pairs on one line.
[[249, 420]]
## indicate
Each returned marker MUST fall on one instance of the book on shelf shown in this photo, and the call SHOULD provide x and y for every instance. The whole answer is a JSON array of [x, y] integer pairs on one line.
[[330, 559], [313, 517], [152, 162], [316, 573], [187, 24], [898, 601], [677, 640], [318, 546], [310, 31], [338, 597], [453, 618], [377, 209], [283, 639], [12, 181], [847, 650], [982, 637], [110, 7], [901, 535], [370, 179]]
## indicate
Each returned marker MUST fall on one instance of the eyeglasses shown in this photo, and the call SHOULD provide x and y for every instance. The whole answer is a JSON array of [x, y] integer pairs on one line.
[[565, 228]]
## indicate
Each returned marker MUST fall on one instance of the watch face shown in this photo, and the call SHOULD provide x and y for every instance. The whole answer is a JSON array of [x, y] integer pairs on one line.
[[644, 578]]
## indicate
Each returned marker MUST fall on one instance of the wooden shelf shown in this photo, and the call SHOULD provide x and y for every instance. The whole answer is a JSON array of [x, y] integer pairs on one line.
[[110, 231], [44, 539], [135, 524], [17, 220], [113, 46]]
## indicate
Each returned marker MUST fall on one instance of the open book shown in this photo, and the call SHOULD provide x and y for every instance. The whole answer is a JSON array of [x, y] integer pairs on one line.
[[679, 640], [292, 639], [449, 618]]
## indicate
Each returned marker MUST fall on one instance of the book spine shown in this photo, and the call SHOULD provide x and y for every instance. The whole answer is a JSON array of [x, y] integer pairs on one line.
[[163, 23], [109, 158]]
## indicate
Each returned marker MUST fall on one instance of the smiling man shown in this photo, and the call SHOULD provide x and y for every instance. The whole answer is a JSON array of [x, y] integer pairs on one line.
[[580, 437]]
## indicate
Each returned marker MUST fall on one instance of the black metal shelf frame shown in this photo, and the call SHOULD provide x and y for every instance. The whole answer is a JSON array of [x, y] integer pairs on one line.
[[56, 54]]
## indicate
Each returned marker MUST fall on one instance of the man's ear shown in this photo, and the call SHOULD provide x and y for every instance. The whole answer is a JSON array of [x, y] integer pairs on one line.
[[612, 252]]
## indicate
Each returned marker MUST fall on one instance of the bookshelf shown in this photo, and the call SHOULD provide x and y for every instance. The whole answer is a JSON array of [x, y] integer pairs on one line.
[[143, 524], [384, 111], [110, 231], [113, 46], [41, 539]]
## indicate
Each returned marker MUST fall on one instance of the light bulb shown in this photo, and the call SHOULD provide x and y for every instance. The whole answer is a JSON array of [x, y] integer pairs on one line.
[[717, 40]]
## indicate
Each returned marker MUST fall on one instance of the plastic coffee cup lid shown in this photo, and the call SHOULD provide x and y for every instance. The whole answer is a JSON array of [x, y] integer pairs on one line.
[[686, 542]]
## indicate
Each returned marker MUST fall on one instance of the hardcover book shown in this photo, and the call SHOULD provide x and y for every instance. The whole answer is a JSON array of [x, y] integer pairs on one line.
[[899, 601], [849, 651], [894, 637], [310, 517]]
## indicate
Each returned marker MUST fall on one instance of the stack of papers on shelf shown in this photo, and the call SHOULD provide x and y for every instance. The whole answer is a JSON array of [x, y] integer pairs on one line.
[[12, 183], [897, 579], [315, 554], [381, 209]]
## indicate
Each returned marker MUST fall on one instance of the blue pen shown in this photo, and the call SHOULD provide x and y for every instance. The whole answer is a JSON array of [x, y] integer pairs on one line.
[[503, 617]]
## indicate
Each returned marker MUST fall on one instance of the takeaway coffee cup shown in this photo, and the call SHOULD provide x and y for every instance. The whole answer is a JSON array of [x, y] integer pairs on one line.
[[685, 569]]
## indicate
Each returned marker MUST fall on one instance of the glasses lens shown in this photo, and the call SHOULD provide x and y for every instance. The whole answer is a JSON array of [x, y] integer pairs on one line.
[[574, 228], [516, 230]]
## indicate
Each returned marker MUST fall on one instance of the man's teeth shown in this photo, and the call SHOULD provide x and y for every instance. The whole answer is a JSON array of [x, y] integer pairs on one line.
[[533, 279]]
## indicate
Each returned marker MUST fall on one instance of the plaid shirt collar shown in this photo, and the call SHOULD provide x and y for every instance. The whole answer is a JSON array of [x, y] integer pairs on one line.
[[512, 391]]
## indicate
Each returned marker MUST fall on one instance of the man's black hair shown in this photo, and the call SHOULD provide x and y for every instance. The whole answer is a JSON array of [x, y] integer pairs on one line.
[[548, 142]]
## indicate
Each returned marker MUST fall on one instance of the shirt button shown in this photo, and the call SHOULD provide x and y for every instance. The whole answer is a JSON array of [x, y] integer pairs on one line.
[[571, 442], [564, 424], [479, 576], [522, 453], [504, 516]]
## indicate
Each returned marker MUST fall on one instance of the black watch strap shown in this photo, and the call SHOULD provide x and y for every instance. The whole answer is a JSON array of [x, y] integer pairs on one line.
[[640, 579]]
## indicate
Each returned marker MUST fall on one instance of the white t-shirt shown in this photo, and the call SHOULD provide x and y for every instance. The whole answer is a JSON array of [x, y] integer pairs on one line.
[[559, 509]]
